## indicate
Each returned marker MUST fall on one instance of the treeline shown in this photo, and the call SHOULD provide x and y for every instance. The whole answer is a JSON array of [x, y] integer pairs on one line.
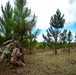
[[55, 38], [19, 21]]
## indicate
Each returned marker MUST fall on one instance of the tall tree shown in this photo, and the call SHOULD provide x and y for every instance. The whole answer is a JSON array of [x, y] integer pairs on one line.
[[23, 19], [69, 39], [6, 21], [56, 22]]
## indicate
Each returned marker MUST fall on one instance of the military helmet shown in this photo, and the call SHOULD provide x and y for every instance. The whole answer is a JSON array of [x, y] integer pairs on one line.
[[16, 43]]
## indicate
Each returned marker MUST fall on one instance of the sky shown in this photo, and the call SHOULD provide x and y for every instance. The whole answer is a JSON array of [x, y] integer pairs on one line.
[[44, 9]]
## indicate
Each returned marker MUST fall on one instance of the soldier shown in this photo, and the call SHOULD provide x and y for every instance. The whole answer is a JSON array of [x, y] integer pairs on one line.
[[13, 52], [16, 56], [21, 50], [1, 51]]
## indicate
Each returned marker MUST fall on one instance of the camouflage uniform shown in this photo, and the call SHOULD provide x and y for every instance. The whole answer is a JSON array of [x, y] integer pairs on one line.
[[12, 52], [0, 51], [16, 57]]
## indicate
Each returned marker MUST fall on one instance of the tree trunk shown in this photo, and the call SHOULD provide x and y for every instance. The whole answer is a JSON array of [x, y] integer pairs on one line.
[[55, 48], [56, 35], [69, 48], [21, 40]]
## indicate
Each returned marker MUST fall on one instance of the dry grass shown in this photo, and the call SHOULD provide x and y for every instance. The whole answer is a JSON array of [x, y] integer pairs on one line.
[[44, 63]]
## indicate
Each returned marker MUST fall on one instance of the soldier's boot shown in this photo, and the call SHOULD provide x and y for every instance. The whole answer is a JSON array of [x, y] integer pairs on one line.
[[20, 63]]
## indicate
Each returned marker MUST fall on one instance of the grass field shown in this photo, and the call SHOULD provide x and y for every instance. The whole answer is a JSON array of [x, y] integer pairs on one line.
[[44, 63]]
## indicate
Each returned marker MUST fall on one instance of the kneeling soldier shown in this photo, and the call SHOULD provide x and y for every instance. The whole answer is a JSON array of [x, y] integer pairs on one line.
[[16, 56]]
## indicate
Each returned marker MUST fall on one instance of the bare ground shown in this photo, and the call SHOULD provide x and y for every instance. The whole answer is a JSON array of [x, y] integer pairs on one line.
[[44, 63]]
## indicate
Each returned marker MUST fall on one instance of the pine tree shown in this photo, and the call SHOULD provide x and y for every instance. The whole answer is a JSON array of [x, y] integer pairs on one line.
[[69, 39], [56, 22], [24, 21]]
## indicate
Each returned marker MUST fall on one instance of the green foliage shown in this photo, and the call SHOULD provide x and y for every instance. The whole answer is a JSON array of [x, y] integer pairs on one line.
[[63, 37], [41, 45], [48, 37], [6, 21], [57, 20], [2, 39], [69, 37]]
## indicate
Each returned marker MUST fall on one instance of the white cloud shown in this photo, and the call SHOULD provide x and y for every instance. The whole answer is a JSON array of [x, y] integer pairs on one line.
[[40, 38], [45, 8]]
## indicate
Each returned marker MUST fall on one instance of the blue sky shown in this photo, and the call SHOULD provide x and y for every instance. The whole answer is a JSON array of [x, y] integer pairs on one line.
[[44, 9], [72, 28]]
